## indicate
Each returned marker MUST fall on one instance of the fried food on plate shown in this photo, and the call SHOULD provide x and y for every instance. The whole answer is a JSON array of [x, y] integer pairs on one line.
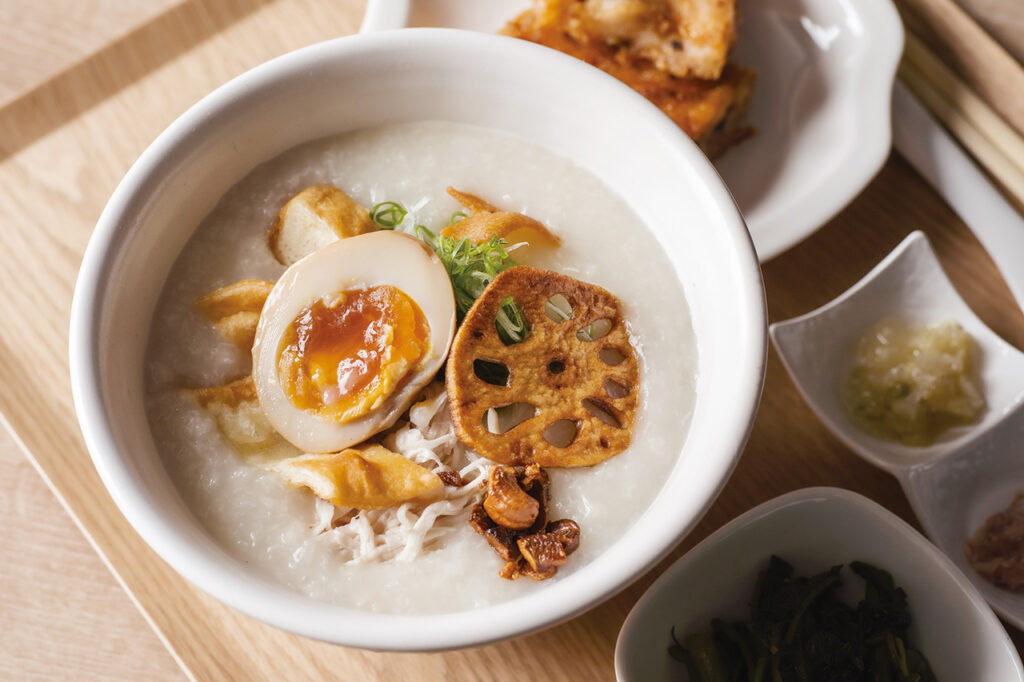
[[673, 52], [680, 37]]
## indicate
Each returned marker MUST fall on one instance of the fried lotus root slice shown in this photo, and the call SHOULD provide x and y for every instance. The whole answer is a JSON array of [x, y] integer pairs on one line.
[[235, 309], [313, 218], [369, 477], [489, 221], [239, 416], [588, 385]]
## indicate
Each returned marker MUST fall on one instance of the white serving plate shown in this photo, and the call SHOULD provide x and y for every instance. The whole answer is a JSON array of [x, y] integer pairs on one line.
[[813, 529], [821, 105]]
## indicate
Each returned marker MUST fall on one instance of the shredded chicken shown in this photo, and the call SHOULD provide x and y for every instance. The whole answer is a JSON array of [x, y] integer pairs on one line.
[[404, 532]]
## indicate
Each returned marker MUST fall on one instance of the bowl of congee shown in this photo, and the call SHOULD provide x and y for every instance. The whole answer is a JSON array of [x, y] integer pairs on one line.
[[417, 340]]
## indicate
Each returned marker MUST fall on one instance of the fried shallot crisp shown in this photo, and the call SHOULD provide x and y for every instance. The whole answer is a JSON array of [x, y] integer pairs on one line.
[[570, 385], [513, 519]]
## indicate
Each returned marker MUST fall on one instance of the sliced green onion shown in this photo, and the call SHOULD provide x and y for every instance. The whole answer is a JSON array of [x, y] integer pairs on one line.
[[511, 323], [456, 217], [388, 214], [471, 267]]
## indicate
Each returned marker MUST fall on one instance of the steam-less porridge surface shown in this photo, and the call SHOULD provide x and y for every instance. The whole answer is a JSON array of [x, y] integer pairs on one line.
[[270, 526]]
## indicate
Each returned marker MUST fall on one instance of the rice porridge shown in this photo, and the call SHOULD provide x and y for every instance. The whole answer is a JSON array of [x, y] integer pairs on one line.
[[291, 535]]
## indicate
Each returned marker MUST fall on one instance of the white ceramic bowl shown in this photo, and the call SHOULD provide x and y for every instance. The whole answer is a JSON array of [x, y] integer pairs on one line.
[[908, 284], [361, 81], [814, 529]]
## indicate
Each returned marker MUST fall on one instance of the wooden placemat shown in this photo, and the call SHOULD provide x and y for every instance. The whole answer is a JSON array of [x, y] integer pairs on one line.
[[41, 40], [65, 145]]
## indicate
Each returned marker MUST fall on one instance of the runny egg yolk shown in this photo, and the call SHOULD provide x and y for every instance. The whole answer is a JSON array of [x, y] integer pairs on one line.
[[342, 356]]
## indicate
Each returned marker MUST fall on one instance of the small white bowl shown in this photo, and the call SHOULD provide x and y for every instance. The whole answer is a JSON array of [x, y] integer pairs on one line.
[[971, 471], [814, 529], [821, 105], [909, 284], [392, 77], [953, 496]]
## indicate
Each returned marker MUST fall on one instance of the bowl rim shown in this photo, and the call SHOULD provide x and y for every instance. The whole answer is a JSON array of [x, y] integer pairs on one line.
[[275, 604]]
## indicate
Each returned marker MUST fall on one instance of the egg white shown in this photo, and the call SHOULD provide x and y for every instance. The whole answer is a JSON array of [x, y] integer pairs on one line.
[[375, 259]]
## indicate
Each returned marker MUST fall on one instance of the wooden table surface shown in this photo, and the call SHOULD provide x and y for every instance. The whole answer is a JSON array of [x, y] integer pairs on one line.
[[85, 85]]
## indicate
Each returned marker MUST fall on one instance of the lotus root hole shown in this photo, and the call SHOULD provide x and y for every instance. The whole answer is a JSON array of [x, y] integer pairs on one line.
[[561, 433], [614, 389], [558, 308], [511, 323], [602, 412], [502, 419], [556, 366], [598, 329], [490, 372], [611, 356]]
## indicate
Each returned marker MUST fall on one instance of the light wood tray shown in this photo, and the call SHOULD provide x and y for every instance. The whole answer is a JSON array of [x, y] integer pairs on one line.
[[66, 141]]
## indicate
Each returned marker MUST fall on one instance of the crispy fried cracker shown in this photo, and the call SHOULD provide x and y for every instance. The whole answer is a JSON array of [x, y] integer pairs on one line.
[[552, 370], [229, 395], [235, 309], [241, 420], [488, 221], [315, 217], [368, 477]]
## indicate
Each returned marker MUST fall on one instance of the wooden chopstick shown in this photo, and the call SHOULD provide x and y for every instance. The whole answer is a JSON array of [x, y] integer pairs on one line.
[[976, 57], [994, 144]]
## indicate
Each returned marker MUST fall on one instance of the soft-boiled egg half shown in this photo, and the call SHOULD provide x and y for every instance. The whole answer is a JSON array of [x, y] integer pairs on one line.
[[348, 336]]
